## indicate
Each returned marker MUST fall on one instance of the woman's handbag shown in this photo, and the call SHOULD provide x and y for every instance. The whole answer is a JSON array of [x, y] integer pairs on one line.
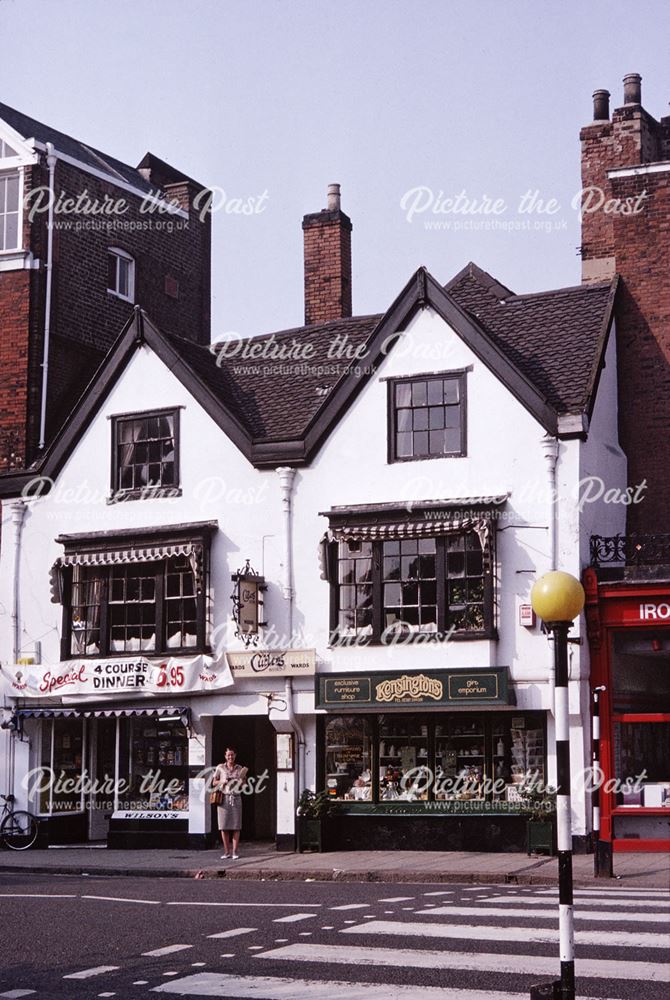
[[216, 797]]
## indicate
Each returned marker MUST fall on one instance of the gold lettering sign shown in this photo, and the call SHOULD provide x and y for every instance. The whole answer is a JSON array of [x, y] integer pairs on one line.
[[413, 687]]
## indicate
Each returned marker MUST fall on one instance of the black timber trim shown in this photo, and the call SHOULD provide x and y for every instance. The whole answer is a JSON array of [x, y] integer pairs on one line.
[[138, 330]]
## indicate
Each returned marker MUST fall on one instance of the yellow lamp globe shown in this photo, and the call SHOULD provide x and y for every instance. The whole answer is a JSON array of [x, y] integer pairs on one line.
[[557, 597]]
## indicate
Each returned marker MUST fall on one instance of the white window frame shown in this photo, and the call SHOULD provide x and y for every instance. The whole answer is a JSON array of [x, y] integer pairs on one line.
[[120, 254], [17, 172]]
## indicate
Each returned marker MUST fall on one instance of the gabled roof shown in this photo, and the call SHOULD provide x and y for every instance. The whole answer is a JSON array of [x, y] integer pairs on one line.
[[278, 397], [555, 338], [29, 128]]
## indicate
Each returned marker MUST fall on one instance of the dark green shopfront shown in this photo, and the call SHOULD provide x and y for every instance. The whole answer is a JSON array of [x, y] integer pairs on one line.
[[430, 760]]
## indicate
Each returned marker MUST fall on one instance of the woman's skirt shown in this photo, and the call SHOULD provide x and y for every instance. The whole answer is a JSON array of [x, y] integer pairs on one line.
[[230, 813]]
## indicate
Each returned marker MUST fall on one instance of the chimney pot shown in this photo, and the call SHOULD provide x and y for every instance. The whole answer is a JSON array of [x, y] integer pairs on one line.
[[632, 89], [601, 105], [333, 198]]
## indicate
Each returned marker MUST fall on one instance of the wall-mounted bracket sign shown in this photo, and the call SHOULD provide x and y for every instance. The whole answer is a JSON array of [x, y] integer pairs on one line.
[[458, 688], [247, 598]]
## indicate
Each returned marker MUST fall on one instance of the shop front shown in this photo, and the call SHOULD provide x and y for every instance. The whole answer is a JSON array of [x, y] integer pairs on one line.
[[119, 775], [430, 760], [629, 637]]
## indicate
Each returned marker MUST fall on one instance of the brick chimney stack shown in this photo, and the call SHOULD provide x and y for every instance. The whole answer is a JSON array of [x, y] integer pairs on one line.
[[625, 220], [327, 243]]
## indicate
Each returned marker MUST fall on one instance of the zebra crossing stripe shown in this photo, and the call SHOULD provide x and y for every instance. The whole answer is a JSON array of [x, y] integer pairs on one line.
[[484, 932], [517, 965], [213, 984], [590, 901], [549, 914], [97, 971]]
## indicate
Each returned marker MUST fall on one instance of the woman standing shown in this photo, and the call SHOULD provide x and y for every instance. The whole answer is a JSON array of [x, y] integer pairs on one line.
[[229, 778]]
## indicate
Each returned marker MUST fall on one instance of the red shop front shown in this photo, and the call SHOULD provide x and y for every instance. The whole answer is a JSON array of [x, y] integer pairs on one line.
[[629, 638]]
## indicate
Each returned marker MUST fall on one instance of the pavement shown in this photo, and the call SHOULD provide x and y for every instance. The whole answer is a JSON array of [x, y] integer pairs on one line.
[[263, 861]]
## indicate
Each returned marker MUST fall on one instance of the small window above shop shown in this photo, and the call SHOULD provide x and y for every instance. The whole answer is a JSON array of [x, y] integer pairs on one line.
[[427, 417], [120, 274], [145, 455]]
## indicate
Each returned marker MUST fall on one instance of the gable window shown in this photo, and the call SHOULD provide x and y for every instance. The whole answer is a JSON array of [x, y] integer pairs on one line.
[[427, 417], [145, 451], [147, 595], [9, 211], [410, 580], [121, 274]]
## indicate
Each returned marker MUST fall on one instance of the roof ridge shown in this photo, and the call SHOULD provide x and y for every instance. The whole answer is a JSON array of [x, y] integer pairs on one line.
[[483, 278], [313, 327], [592, 285]]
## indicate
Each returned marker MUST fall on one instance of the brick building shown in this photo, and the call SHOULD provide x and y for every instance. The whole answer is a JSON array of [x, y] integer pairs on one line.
[[120, 236], [626, 221], [625, 226]]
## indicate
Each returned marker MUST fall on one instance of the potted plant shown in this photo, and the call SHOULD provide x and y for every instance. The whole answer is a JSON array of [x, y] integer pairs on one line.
[[539, 801], [313, 811]]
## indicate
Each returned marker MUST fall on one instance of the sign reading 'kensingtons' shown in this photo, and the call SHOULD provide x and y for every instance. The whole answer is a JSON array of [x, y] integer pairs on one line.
[[455, 688]]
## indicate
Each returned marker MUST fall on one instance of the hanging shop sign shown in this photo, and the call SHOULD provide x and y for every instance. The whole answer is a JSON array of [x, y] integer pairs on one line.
[[455, 688], [127, 674], [273, 662], [247, 598]]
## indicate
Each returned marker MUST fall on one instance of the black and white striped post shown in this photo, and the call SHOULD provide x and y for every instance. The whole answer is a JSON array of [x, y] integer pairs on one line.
[[558, 598], [596, 776]]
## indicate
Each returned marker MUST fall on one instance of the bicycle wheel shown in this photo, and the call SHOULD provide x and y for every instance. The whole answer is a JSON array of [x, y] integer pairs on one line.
[[19, 830]]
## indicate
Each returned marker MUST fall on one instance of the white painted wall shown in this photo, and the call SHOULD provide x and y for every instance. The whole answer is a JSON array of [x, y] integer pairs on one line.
[[504, 455]]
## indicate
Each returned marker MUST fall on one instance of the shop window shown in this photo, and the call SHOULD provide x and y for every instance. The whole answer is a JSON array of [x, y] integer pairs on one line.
[[157, 764], [641, 671], [9, 211], [145, 455], [388, 590], [456, 758], [348, 763], [403, 758], [427, 418], [62, 756], [120, 274], [148, 606], [642, 763]]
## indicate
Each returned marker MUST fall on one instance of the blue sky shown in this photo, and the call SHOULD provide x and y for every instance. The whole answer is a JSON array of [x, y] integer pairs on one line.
[[274, 99]]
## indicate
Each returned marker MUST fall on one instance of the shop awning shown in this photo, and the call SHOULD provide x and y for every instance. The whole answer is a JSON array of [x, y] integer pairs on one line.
[[108, 713], [193, 551], [47, 713], [183, 712], [415, 519]]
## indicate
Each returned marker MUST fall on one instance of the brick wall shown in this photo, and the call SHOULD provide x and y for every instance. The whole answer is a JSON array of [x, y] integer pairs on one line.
[[14, 362], [172, 283], [637, 247], [327, 248]]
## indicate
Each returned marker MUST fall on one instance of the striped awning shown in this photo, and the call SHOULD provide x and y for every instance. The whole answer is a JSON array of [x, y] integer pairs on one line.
[[184, 712], [192, 550], [395, 530], [47, 713]]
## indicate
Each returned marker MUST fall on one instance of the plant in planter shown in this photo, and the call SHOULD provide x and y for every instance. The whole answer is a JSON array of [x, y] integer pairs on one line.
[[540, 804], [313, 810]]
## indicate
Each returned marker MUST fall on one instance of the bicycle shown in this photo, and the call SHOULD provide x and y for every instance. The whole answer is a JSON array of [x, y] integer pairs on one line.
[[18, 829]]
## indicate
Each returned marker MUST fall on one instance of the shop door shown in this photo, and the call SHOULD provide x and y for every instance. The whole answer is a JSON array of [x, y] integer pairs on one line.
[[103, 771], [252, 739]]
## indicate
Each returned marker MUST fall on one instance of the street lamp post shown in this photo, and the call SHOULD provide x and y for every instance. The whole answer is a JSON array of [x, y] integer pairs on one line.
[[558, 598]]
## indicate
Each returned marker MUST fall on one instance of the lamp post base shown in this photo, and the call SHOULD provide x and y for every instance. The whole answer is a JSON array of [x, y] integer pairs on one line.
[[546, 991]]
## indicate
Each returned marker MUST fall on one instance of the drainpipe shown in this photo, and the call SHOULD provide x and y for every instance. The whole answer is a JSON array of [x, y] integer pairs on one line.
[[51, 163], [18, 509], [286, 480], [550, 452]]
